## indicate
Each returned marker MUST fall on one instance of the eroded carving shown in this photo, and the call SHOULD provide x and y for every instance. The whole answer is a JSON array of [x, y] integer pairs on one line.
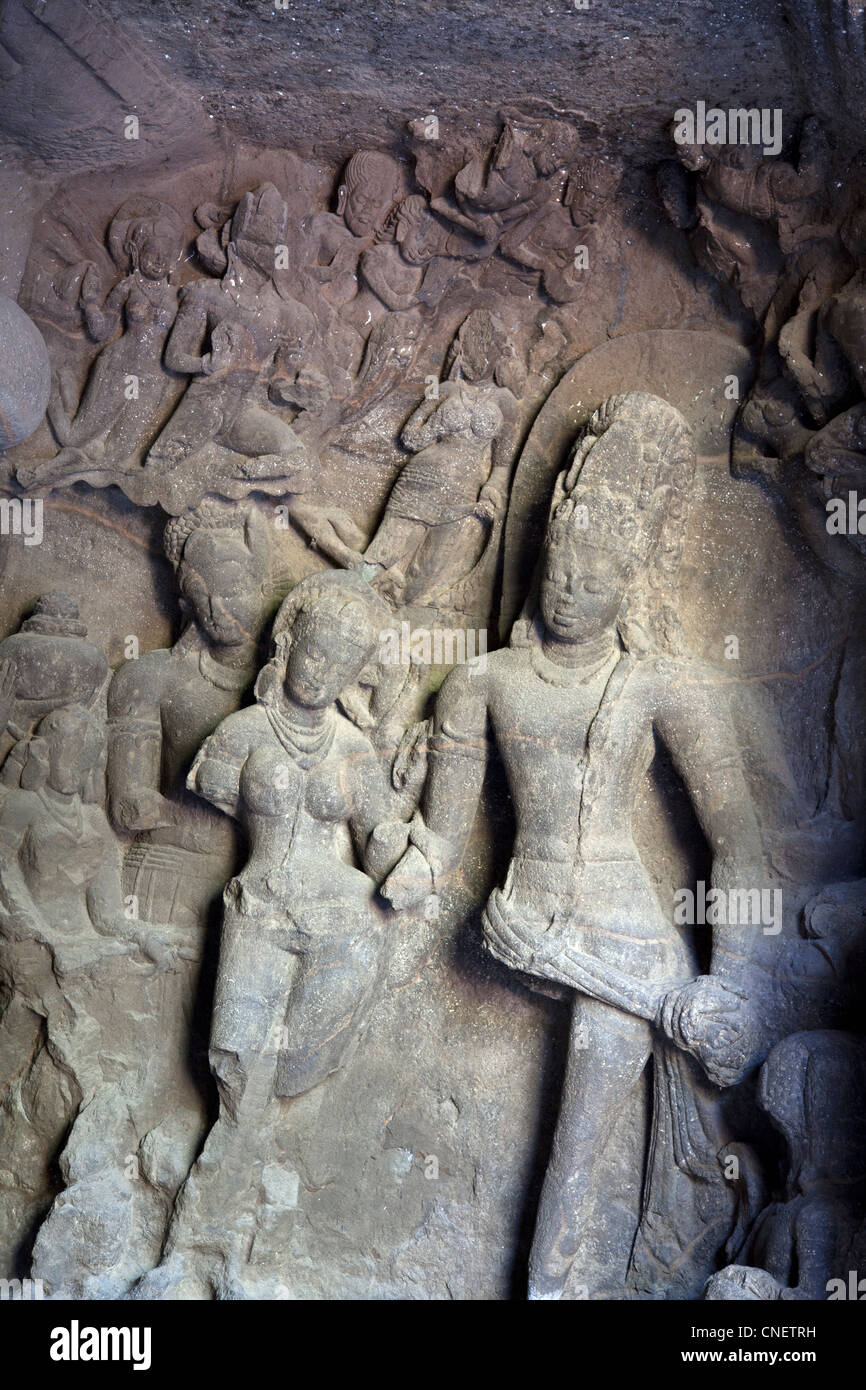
[[588, 675], [304, 939]]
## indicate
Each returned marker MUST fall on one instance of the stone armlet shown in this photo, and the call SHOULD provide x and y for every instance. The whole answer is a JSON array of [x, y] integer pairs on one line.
[[139, 730]]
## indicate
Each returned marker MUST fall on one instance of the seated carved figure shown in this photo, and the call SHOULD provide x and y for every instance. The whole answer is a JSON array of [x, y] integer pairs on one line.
[[304, 936], [61, 879], [564, 239], [47, 663], [335, 240], [803, 1246], [573, 707], [744, 213], [413, 262], [501, 189]]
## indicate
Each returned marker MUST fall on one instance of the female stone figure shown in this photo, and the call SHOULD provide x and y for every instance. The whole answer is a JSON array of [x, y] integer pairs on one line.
[[295, 772], [573, 707], [128, 393], [304, 947]]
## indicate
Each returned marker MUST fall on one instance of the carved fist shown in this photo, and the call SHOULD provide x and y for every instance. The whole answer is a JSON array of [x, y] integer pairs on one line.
[[231, 346], [164, 955], [489, 504], [708, 1019], [410, 883]]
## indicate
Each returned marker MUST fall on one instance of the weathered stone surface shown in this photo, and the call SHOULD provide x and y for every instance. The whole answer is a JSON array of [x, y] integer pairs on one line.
[[25, 374], [432, 744]]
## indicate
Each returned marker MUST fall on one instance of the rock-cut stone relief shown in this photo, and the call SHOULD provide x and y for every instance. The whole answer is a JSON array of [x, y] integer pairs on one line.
[[344, 911], [572, 706], [305, 936]]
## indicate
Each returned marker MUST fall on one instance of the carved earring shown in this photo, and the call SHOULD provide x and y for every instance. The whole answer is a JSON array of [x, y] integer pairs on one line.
[[282, 647]]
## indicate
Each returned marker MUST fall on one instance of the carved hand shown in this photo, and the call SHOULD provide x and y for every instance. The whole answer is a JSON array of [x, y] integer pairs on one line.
[[146, 809], [166, 955], [509, 940], [410, 883], [310, 390], [706, 1018], [489, 504], [89, 292]]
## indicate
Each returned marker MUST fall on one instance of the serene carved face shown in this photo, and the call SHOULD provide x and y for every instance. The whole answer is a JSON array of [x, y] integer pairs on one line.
[[152, 250], [369, 196], [220, 579], [582, 591], [322, 661]]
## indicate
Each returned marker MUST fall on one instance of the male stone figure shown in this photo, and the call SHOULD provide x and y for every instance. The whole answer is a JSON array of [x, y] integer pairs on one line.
[[163, 704], [573, 707], [367, 193]]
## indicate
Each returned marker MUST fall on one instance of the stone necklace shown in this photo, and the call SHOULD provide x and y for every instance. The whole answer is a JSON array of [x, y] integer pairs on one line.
[[579, 673], [305, 746]]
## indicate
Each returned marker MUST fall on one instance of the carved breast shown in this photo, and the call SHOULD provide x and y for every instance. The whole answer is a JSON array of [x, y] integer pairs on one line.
[[272, 784]]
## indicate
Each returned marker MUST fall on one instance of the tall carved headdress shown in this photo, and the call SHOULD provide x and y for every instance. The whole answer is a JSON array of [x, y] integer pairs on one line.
[[229, 525], [628, 480], [259, 219], [626, 489], [242, 523]]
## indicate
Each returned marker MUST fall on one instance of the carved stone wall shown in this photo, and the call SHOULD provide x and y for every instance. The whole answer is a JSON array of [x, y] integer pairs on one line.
[[431, 739]]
